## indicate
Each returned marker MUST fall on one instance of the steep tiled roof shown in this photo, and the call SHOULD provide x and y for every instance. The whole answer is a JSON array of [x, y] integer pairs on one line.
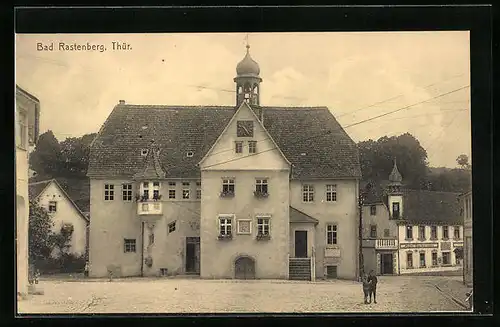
[[297, 216], [152, 166], [431, 207], [35, 189], [311, 138]]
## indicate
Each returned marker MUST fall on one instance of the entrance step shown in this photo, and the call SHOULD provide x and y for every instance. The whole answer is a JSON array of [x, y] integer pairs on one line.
[[299, 269]]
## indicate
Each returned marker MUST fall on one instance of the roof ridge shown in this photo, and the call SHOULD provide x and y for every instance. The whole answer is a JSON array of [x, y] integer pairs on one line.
[[44, 181], [169, 106], [431, 191]]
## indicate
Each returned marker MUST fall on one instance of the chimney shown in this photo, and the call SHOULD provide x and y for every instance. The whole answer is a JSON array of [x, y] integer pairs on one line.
[[122, 101]]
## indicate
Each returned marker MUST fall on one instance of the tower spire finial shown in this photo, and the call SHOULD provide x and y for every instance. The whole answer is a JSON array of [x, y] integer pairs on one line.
[[248, 44]]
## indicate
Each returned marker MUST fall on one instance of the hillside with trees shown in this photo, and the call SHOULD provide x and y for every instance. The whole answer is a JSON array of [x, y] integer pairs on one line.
[[68, 161]]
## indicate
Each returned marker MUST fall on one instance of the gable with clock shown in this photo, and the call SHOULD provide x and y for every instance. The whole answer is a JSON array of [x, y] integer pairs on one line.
[[244, 128]]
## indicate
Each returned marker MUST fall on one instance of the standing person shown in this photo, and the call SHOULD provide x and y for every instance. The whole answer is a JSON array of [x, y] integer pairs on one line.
[[86, 271], [366, 287], [372, 279]]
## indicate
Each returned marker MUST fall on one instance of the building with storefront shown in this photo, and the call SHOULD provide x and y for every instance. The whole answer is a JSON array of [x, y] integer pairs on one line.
[[422, 231]]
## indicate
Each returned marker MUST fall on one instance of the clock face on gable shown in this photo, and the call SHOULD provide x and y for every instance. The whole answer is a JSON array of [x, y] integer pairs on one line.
[[244, 128]]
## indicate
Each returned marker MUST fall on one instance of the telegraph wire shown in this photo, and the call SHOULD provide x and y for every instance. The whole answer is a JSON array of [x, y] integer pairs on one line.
[[396, 97], [350, 125]]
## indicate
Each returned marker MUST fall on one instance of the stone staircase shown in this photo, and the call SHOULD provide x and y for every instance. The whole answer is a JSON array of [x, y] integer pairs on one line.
[[300, 269]]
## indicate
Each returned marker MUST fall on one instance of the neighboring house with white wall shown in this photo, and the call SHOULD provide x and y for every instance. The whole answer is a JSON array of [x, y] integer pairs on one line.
[[466, 202], [27, 117], [238, 191], [64, 213], [422, 230]]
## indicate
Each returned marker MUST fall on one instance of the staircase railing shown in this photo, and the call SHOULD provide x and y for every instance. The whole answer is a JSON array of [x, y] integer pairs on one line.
[[313, 265]]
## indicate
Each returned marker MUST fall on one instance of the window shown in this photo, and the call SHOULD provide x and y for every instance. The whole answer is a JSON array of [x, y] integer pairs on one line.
[[21, 124], [185, 190], [156, 190], [127, 192], [456, 232], [144, 152], [145, 190], [263, 226], [308, 193], [198, 190], [434, 258], [434, 233], [151, 239], [446, 258], [409, 260], [395, 210], [171, 227], [171, 190], [331, 234], [189, 154], [387, 233], [228, 186], [129, 245], [445, 232], [422, 259], [409, 232], [244, 226], [373, 231], [109, 192], [331, 193], [421, 233], [52, 206], [331, 271], [252, 146], [225, 226], [373, 210], [238, 147], [261, 186]]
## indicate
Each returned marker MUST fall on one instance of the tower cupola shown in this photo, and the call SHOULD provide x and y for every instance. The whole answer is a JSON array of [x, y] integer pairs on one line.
[[248, 80]]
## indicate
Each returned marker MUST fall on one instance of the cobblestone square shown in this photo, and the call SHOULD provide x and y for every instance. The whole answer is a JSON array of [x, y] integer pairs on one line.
[[136, 295]]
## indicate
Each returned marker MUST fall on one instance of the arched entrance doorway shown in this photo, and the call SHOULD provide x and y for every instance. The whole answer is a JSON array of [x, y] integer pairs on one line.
[[244, 268]]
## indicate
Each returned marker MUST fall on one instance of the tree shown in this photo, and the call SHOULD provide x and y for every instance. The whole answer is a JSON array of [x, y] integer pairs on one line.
[[463, 161], [377, 159], [62, 241], [40, 233], [46, 160], [75, 154]]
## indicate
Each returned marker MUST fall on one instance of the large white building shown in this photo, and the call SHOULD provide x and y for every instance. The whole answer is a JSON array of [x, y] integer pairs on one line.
[[236, 191], [27, 130]]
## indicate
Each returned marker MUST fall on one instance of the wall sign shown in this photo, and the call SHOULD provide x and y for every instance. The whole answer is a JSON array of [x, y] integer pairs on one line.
[[419, 245]]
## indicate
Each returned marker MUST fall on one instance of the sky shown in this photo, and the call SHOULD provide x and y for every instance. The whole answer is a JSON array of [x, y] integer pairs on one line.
[[358, 76]]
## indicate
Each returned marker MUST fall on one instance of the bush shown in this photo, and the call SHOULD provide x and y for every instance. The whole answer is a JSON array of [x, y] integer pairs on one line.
[[66, 263]]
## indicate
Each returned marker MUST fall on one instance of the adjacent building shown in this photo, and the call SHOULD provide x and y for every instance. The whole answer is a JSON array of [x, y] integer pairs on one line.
[[65, 214], [411, 231], [240, 191], [27, 130], [468, 273]]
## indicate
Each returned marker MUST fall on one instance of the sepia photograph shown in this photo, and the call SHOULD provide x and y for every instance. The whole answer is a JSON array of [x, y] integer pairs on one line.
[[273, 172]]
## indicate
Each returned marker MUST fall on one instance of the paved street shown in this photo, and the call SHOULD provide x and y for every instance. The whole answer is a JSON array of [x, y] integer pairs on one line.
[[135, 295]]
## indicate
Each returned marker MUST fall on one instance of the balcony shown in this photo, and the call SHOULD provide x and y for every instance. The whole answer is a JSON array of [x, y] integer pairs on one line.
[[149, 208], [386, 244]]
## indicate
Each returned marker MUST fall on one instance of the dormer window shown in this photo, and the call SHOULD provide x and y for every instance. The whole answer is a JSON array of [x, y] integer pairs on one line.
[[144, 152], [189, 154]]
